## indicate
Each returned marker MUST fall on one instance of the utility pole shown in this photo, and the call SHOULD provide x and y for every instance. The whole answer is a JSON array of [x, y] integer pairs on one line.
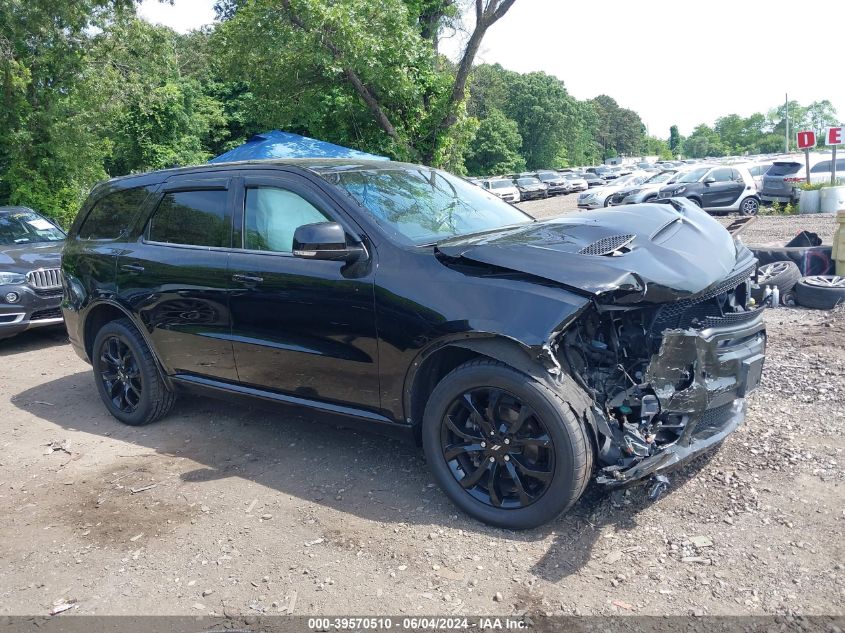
[[786, 134]]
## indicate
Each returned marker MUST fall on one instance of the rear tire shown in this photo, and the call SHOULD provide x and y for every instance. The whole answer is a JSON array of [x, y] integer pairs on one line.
[[127, 375], [500, 470], [749, 206]]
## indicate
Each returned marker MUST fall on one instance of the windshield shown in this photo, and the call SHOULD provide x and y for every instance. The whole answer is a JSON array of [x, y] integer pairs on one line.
[[694, 176], [27, 227], [500, 184], [547, 177], [426, 205], [663, 176], [528, 181]]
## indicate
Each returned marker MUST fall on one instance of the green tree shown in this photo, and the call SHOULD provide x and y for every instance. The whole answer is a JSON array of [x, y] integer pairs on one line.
[[703, 142], [50, 152], [495, 148], [675, 140], [355, 72]]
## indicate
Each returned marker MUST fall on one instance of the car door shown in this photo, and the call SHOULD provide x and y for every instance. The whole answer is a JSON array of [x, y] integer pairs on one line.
[[175, 277], [722, 191], [300, 327]]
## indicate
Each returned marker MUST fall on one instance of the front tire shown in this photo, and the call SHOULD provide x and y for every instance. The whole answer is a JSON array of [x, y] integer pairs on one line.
[[506, 449], [127, 376]]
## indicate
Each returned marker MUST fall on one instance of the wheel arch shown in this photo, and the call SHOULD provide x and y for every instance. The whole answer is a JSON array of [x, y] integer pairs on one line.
[[432, 365], [106, 311]]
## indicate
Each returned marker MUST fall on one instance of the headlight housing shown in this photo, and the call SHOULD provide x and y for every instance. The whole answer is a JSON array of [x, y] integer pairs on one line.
[[633, 192], [679, 190], [12, 278]]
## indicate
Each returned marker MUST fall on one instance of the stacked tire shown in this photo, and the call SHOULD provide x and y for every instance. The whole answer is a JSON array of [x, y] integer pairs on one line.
[[783, 275]]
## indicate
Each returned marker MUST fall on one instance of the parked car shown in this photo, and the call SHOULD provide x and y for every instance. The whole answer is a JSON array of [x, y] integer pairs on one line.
[[577, 182], [503, 188], [645, 191], [717, 189], [371, 292], [555, 182], [601, 196], [601, 171], [593, 180], [781, 181], [757, 171], [531, 188], [30, 275]]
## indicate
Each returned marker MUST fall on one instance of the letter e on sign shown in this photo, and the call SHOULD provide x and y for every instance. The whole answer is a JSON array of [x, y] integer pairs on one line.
[[806, 139], [834, 136]]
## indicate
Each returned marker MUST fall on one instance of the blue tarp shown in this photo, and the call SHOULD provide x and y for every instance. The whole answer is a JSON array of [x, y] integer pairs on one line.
[[277, 144]]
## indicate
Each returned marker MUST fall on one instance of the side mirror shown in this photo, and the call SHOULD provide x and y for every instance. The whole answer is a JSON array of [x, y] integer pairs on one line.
[[325, 241], [709, 180]]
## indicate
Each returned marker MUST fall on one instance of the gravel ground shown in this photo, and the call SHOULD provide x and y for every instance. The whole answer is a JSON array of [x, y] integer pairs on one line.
[[765, 229], [225, 509]]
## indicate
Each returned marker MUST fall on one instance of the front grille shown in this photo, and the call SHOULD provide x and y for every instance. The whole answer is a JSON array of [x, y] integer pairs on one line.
[[712, 421], [42, 315], [45, 278], [696, 308], [607, 245]]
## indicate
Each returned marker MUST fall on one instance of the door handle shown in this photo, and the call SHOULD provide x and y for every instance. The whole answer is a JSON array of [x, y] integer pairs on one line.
[[132, 268], [247, 279]]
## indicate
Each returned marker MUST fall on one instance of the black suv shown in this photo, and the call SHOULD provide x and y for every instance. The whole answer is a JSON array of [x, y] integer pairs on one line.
[[30, 277], [527, 357]]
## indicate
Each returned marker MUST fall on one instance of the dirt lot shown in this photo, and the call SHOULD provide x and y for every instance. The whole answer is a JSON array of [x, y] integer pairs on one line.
[[256, 511]]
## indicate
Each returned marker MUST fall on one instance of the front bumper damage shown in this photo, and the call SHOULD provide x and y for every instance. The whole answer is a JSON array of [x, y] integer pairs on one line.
[[695, 387]]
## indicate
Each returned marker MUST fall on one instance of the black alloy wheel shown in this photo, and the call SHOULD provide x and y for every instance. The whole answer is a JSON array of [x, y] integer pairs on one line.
[[120, 374], [497, 448], [505, 448], [127, 375]]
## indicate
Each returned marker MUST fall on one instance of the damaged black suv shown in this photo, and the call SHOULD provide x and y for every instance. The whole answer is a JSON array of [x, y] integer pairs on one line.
[[528, 357]]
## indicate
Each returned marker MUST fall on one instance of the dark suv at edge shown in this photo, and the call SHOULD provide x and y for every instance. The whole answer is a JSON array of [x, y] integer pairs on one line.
[[527, 357]]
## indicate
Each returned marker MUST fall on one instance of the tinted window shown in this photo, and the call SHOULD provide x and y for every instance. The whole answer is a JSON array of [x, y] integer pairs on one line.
[[271, 217], [820, 167], [197, 218], [722, 175], [113, 214], [783, 169]]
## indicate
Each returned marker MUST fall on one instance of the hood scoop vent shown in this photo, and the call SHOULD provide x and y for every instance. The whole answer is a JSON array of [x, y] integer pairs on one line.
[[613, 245]]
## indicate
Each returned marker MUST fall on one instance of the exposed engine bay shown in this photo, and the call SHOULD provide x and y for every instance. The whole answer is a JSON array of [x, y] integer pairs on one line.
[[664, 375]]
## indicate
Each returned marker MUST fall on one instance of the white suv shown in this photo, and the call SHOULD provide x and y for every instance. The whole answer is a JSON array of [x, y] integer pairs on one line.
[[502, 188]]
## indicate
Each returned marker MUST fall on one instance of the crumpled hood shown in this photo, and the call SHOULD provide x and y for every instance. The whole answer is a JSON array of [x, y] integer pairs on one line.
[[25, 257], [669, 253]]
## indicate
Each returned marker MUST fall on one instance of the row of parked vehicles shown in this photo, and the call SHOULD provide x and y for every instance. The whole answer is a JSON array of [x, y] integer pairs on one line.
[[718, 185]]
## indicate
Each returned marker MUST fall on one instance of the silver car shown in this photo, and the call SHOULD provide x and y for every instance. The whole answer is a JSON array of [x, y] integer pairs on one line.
[[646, 191], [576, 182]]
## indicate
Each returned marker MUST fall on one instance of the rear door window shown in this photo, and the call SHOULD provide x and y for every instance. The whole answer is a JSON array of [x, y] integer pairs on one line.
[[113, 215], [193, 218], [823, 166], [783, 169]]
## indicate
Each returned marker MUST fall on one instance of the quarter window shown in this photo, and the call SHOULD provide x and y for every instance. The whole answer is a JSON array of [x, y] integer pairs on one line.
[[194, 218], [272, 215], [113, 214]]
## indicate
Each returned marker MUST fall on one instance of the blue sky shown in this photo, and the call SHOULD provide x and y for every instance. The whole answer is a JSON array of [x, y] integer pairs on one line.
[[672, 62]]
